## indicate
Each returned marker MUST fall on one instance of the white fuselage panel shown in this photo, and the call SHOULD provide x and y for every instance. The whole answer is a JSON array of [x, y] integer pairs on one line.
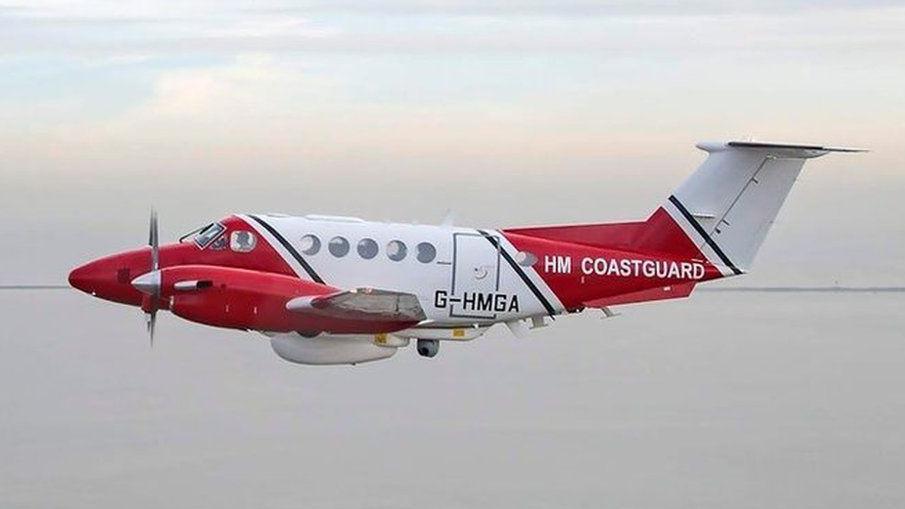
[[467, 280]]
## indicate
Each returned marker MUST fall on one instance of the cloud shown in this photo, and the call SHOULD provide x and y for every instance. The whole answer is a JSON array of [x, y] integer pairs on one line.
[[283, 84], [409, 27], [261, 107], [570, 8]]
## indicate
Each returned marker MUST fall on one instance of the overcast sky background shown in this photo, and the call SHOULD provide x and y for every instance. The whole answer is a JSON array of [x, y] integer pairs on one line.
[[509, 113]]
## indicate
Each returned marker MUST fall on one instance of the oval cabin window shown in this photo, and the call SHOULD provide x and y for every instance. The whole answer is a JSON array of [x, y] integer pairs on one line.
[[338, 247], [396, 250], [310, 244], [426, 252], [367, 248]]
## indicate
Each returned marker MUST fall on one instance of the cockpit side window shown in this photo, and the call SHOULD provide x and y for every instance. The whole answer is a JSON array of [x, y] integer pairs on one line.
[[209, 234], [191, 235]]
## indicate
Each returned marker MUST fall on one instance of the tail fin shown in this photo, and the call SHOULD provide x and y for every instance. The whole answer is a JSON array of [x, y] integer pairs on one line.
[[723, 210], [727, 206]]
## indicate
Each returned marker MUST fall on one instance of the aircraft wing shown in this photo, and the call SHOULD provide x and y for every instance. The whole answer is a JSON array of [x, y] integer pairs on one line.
[[362, 304]]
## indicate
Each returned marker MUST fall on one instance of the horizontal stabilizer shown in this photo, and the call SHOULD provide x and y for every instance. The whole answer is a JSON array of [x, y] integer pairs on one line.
[[779, 150], [763, 144]]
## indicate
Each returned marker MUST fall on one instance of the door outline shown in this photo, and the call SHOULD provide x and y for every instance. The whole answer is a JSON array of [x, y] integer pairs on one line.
[[455, 299]]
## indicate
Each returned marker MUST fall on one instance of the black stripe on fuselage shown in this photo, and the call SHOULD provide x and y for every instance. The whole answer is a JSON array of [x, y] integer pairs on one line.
[[518, 270], [700, 229], [295, 254]]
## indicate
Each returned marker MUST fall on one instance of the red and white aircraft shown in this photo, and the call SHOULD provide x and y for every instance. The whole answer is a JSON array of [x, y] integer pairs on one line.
[[340, 290]]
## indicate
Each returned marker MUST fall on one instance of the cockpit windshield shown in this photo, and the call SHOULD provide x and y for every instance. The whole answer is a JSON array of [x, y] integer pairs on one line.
[[205, 235]]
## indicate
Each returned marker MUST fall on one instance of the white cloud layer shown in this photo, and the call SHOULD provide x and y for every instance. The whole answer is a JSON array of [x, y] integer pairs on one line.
[[405, 27]]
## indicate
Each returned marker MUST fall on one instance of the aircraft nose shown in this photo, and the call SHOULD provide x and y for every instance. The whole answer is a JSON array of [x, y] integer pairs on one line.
[[85, 277], [110, 277]]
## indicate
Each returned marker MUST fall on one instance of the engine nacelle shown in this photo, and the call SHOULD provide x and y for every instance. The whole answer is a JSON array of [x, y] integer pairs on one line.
[[329, 349], [252, 300]]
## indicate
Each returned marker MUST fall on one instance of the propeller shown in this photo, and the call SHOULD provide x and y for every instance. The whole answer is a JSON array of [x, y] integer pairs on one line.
[[153, 242], [155, 265], [149, 283]]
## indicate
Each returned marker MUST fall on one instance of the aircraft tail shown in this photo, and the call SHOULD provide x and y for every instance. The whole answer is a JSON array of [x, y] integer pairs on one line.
[[722, 211]]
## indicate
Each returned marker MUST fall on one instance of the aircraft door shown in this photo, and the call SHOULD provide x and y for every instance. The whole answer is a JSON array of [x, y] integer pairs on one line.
[[476, 276]]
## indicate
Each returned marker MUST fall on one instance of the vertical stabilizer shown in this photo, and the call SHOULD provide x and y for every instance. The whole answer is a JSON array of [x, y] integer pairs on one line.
[[721, 212], [727, 206]]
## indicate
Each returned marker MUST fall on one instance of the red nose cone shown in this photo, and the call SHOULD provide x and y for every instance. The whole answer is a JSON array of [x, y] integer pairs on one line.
[[110, 278], [84, 277]]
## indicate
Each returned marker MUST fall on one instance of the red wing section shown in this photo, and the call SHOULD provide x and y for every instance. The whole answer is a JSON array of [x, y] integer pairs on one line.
[[254, 300]]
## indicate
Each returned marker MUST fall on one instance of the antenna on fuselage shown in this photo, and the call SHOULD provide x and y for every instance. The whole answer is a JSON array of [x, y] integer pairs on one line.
[[449, 218]]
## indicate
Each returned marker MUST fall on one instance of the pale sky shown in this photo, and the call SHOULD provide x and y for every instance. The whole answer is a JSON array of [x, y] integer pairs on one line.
[[510, 113]]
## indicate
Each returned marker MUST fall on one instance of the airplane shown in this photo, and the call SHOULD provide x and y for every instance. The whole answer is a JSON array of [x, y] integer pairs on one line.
[[341, 290]]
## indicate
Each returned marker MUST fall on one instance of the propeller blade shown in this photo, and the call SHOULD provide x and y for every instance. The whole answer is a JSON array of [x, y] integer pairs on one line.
[[153, 241], [152, 322], [153, 277]]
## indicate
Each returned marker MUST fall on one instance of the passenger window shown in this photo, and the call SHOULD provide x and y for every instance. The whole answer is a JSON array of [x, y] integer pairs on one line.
[[311, 244], [242, 241], [525, 259], [396, 250], [367, 248], [426, 252], [338, 247]]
